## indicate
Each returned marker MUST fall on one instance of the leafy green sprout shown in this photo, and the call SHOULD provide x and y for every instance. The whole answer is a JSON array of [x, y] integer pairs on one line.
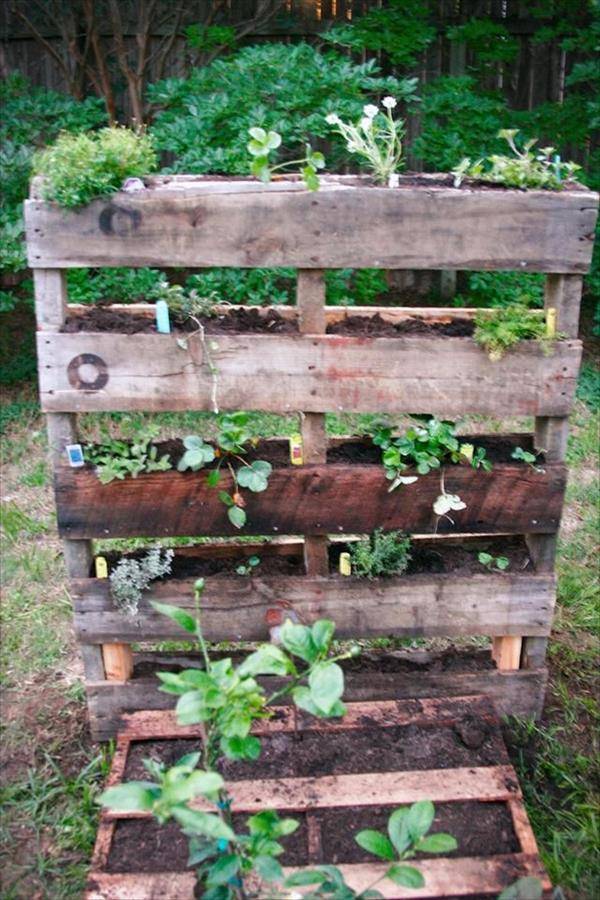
[[248, 567], [115, 459], [527, 457], [499, 330], [493, 563], [262, 143], [525, 169], [376, 138]]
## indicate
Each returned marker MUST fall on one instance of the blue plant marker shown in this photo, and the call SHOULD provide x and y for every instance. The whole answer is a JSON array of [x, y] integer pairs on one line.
[[557, 166], [163, 325], [222, 845]]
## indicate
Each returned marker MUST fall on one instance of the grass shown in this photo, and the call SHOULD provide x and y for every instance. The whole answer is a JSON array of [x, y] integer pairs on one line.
[[52, 771]]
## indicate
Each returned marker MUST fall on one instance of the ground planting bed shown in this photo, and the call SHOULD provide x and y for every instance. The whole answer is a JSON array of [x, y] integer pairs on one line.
[[338, 777]]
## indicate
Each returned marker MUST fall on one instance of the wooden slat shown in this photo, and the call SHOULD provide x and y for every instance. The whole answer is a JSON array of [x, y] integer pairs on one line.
[[141, 886], [519, 693], [343, 224], [482, 783], [511, 499], [234, 608], [449, 377]]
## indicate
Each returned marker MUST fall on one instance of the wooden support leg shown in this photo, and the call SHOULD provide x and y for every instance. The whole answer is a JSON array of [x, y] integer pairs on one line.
[[118, 662], [506, 651], [311, 308]]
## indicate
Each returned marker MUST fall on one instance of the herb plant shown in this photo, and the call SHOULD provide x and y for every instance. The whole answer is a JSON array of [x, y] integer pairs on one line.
[[493, 563], [262, 143], [115, 459], [247, 567], [525, 456], [382, 554], [233, 441], [77, 168], [131, 577], [525, 169], [499, 330], [376, 138]]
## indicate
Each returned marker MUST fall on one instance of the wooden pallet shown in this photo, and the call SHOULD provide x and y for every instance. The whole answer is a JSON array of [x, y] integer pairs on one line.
[[463, 874]]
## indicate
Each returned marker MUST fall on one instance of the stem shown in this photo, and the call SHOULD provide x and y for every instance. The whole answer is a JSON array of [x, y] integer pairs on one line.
[[199, 634]]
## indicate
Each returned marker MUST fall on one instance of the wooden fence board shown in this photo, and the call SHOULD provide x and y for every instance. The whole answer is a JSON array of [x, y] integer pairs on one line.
[[234, 608], [203, 223], [449, 377], [326, 499]]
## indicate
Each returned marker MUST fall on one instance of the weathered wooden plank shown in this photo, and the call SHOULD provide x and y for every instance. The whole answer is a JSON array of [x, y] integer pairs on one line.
[[234, 608], [141, 886], [329, 499], [50, 289], [518, 693], [449, 377], [345, 223]]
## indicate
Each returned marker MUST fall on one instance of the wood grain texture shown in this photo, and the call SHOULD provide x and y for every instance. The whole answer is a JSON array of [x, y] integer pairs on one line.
[[329, 499], [345, 223], [518, 693], [233, 608], [448, 377]]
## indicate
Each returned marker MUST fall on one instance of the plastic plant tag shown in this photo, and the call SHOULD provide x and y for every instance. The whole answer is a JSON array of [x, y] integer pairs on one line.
[[75, 455], [100, 567], [345, 564], [296, 450], [551, 322], [163, 325]]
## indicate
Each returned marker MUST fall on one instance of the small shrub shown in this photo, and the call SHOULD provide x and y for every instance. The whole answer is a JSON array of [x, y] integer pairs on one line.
[[499, 330], [131, 577], [79, 167], [382, 554], [498, 289]]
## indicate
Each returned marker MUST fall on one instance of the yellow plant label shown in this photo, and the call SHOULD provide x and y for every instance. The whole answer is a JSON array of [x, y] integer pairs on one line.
[[101, 567], [345, 564], [296, 450]]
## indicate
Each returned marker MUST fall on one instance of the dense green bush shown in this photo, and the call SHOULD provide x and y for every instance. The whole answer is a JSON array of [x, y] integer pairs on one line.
[[203, 120], [500, 289]]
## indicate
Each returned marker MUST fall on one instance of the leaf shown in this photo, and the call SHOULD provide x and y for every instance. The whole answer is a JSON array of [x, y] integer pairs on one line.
[[303, 700], [502, 563], [237, 516], [419, 818], [225, 498], [178, 615], [255, 476], [241, 747], [198, 822], [193, 785], [268, 868], [407, 876], [297, 639], [437, 843], [322, 633], [193, 442], [191, 709], [375, 842], [528, 888], [258, 133], [485, 558], [213, 478], [137, 796], [225, 868], [398, 830], [326, 683], [305, 877], [266, 660]]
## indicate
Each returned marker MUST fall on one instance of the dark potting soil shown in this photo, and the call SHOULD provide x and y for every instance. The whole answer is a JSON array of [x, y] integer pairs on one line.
[[471, 741], [376, 326], [246, 319], [190, 566], [481, 829]]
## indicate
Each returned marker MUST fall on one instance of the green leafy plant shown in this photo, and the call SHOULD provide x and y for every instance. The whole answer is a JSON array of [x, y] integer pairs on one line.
[[233, 440], [376, 138], [248, 567], [525, 169], [493, 563], [525, 456], [382, 554], [500, 289], [77, 168], [262, 143], [499, 330], [118, 285], [131, 577], [116, 459]]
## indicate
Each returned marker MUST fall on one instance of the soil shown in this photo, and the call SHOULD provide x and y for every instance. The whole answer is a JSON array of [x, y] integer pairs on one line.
[[376, 326], [247, 320], [144, 846], [197, 567]]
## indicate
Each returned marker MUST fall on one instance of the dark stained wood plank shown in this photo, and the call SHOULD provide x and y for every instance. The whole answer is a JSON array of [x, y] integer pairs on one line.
[[345, 223], [234, 608], [449, 377], [329, 499]]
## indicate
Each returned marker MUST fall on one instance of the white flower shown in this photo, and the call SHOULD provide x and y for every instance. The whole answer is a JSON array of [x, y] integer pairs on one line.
[[366, 123], [332, 118], [370, 111], [389, 102]]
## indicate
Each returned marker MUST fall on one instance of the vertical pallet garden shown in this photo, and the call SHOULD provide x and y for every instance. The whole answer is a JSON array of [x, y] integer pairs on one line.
[[313, 367]]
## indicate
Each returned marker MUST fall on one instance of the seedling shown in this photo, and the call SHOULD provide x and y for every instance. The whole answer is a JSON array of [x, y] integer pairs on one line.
[[493, 563], [248, 567], [382, 554], [498, 330], [525, 169], [115, 459], [233, 440], [377, 138], [527, 457], [262, 143]]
